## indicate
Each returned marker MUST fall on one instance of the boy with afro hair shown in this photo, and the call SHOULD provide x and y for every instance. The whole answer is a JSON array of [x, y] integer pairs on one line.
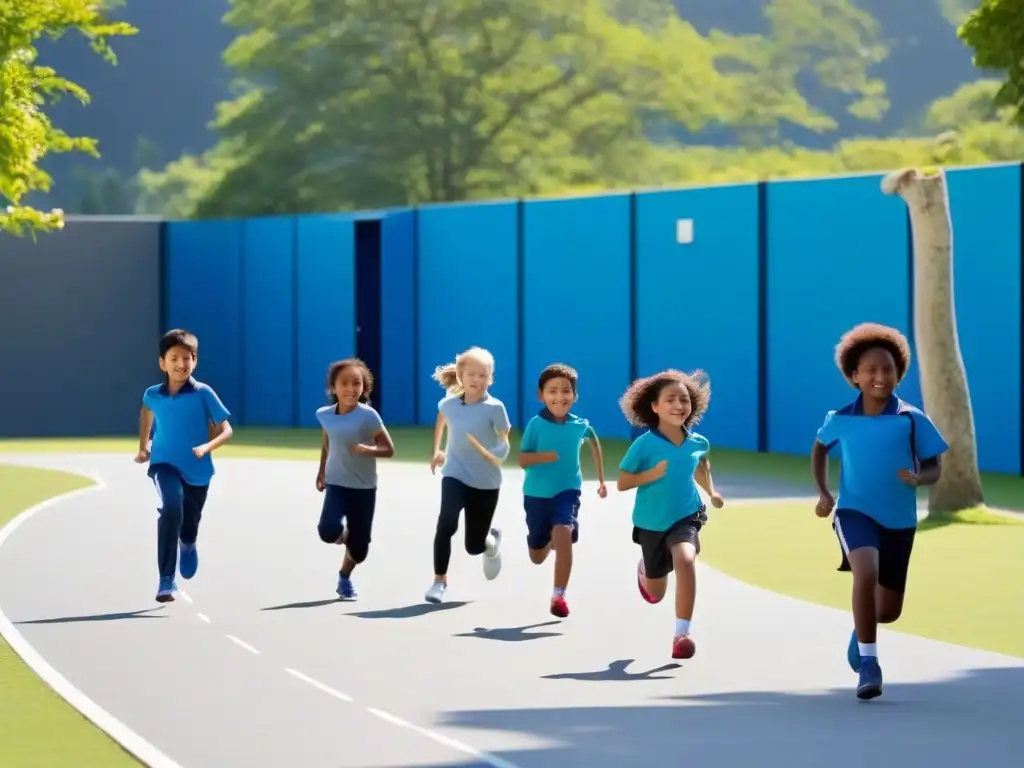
[[889, 448], [665, 465]]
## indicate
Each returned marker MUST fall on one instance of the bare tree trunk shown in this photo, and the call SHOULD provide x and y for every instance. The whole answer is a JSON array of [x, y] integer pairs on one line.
[[943, 377]]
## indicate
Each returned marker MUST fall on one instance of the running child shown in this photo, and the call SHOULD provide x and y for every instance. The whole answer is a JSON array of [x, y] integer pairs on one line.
[[889, 448], [354, 437], [180, 465], [665, 465], [477, 425], [549, 452]]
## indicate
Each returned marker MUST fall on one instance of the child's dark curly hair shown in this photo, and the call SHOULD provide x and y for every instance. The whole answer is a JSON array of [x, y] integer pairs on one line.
[[559, 371], [859, 339], [352, 362], [638, 400]]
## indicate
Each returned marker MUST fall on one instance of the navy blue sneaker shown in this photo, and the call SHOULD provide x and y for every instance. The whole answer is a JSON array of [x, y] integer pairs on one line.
[[188, 560], [870, 684], [853, 652], [165, 592], [345, 589]]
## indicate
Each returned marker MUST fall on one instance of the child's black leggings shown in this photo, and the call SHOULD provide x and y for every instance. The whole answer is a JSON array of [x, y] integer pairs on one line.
[[479, 504]]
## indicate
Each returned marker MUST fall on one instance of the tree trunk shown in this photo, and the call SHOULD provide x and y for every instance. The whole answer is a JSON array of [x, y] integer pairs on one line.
[[943, 378]]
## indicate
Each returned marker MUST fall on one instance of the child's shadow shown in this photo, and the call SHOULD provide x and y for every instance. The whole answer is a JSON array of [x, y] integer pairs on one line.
[[512, 634], [616, 672]]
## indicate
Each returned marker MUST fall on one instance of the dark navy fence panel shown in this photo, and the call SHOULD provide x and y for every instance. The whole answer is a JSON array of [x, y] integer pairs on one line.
[[398, 318], [837, 256], [986, 207], [576, 302], [697, 303], [467, 295], [79, 327], [204, 295], [268, 275], [325, 292]]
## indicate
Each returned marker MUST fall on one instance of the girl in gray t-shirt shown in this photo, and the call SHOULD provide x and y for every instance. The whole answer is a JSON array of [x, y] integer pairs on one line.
[[478, 426], [354, 437]]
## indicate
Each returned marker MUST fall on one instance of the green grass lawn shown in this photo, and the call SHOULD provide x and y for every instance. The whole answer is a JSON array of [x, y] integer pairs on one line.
[[966, 580], [39, 729], [413, 444]]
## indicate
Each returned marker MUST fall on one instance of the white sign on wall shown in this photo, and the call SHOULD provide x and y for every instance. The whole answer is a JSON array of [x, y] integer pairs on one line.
[[684, 231]]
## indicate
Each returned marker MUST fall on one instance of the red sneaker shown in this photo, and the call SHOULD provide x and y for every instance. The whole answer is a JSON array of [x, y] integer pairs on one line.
[[559, 607], [683, 647], [640, 583]]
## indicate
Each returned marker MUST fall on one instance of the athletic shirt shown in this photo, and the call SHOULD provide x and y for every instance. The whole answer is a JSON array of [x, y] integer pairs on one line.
[[544, 433], [674, 496], [874, 449], [483, 420], [345, 430]]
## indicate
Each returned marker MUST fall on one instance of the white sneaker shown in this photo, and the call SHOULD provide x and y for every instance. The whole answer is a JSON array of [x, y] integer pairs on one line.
[[436, 592], [492, 556]]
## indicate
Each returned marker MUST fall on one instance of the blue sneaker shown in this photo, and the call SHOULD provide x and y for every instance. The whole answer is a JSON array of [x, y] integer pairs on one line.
[[188, 560], [870, 684], [165, 592], [853, 652], [345, 589]]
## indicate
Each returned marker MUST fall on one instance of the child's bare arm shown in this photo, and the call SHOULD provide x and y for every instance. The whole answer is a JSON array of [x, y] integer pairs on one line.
[[598, 454], [145, 430], [629, 480]]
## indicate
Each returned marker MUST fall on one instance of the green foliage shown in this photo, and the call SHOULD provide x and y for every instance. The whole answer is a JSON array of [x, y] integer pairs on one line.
[[26, 133], [996, 33], [359, 103]]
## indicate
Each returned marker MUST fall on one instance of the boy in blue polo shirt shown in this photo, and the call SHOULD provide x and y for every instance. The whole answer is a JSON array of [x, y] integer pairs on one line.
[[665, 465], [549, 452], [889, 448], [180, 466]]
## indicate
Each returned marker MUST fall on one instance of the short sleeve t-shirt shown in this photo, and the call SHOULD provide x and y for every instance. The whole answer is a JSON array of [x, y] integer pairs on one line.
[[180, 423], [873, 451], [666, 501], [544, 433], [484, 420], [344, 430]]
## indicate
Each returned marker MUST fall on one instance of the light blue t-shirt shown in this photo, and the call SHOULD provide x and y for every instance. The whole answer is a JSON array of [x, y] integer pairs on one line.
[[180, 423], [663, 503], [544, 433], [345, 430], [483, 420], [874, 449]]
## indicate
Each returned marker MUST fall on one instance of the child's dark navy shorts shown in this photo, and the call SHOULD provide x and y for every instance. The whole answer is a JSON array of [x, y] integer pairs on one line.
[[543, 514], [348, 511], [855, 530]]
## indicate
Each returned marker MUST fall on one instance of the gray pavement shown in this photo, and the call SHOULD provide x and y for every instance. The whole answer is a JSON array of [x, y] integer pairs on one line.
[[262, 667]]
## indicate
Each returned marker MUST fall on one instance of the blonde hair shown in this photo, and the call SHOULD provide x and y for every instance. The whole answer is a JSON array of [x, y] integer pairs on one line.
[[450, 376]]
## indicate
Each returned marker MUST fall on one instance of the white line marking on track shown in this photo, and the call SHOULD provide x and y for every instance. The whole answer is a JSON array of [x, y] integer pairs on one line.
[[484, 757], [146, 753], [387, 717], [185, 596], [318, 685], [203, 617], [242, 644]]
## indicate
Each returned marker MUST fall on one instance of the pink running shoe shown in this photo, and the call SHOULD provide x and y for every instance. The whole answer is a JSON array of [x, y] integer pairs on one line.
[[640, 583], [559, 607], [683, 647]]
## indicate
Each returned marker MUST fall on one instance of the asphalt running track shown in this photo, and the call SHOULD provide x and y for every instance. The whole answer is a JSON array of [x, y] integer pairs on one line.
[[260, 666]]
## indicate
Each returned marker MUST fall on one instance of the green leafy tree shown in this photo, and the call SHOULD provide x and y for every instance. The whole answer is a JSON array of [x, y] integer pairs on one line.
[[996, 33], [26, 133], [371, 103]]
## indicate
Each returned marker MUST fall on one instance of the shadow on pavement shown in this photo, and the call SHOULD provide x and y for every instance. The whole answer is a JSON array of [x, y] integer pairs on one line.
[[409, 611], [616, 672], [309, 604], [513, 634], [144, 614], [973, 719]]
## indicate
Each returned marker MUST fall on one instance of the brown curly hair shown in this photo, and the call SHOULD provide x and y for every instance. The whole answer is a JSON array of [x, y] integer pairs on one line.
[[859, 339], [352, 362], [637, 402], [559, 371]]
